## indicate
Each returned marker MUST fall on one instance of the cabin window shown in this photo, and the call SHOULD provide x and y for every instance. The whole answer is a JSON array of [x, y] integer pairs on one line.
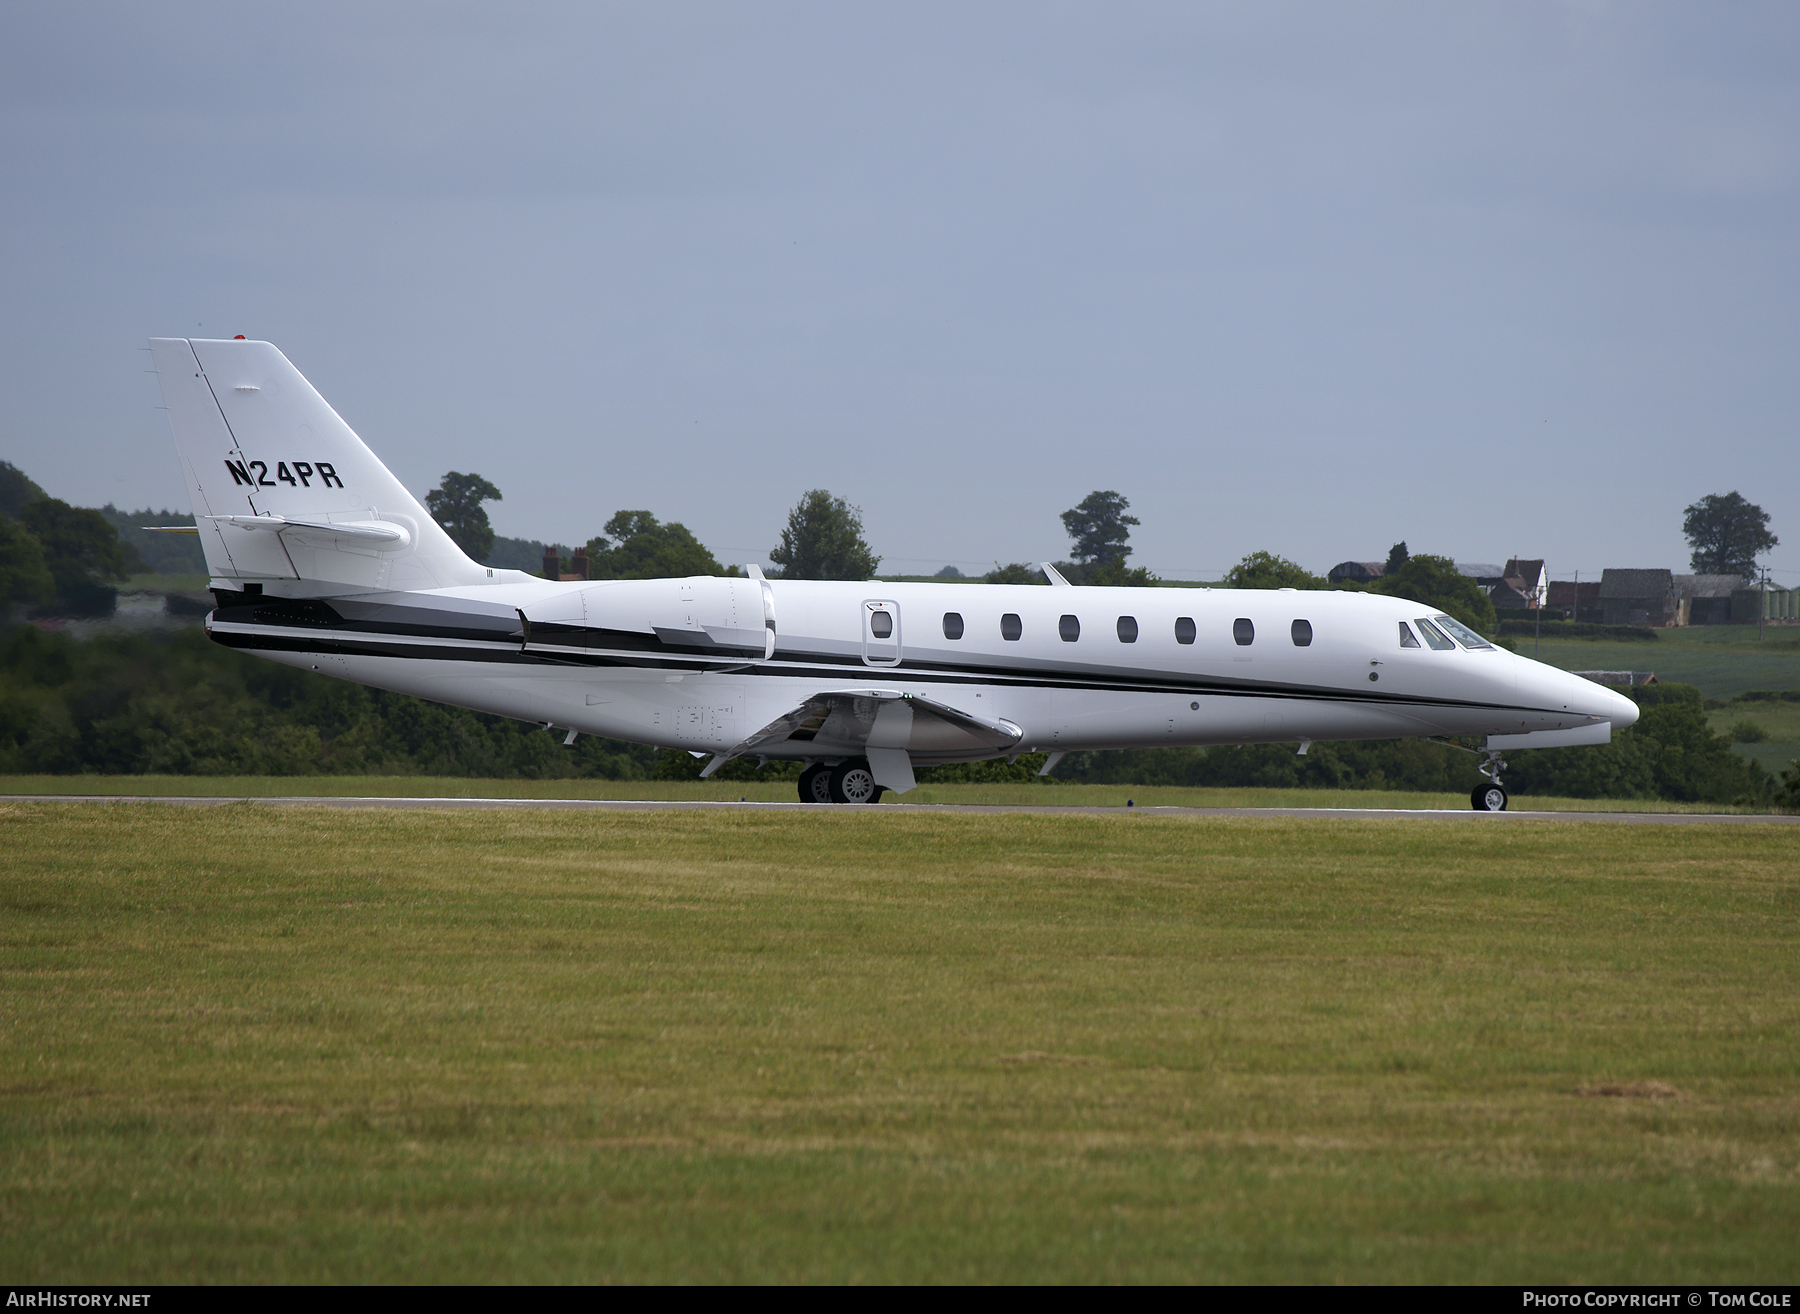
[[1069, 627], [1302, 632], [1184, 629], [881, 624], [1128, 629], [1461, 633], [1433, 636], [1243, 633], [1406, 637], [953, 626], [1011, 627]]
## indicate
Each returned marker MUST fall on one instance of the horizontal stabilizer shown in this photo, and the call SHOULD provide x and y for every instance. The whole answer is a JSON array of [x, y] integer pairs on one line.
[[370, 533]]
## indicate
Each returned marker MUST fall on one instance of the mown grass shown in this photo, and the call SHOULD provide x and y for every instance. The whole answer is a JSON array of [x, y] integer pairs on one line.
[[1032, 794], [262, 1044]]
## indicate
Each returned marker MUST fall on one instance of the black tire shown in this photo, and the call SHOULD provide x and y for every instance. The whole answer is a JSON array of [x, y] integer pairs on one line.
[[815, 784], [854, 782], [1488, 798]]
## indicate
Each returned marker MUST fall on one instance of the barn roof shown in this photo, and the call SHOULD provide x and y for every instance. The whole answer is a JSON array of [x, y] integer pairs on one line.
[[1636, 583]]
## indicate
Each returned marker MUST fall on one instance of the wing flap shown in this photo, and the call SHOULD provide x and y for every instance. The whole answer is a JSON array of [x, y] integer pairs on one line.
[[881, 722]]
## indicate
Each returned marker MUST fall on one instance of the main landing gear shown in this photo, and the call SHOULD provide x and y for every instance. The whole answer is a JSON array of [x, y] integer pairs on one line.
[[1491, 796], [850, 781]]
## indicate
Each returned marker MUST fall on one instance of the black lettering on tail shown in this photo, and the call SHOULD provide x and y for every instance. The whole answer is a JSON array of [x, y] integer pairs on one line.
[[281, 473], [239, 475], [262, 474], [327, 475], [304, 470]]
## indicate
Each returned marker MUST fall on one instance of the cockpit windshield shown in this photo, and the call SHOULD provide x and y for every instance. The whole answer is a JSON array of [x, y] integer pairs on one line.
[[1434, 636], [1462, 633]]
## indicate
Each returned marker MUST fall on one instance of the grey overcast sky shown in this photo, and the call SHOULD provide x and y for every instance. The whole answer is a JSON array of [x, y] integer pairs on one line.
[[1492, 278]]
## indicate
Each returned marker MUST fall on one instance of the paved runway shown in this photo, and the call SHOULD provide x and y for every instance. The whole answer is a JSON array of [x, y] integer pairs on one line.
[[975, 809]]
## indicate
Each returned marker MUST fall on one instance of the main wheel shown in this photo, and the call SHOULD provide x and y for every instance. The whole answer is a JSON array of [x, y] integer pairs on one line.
[[1488, 798], [815, 784], [854, 782]]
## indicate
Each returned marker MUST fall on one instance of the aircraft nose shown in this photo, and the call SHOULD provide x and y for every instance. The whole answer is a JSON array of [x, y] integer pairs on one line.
[[1592, 699]]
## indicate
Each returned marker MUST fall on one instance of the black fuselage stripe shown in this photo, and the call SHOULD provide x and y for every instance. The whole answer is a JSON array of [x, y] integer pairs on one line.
[[272, 639]]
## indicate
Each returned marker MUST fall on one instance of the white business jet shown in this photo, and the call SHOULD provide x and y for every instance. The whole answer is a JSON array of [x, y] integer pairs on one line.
[[320, 559]]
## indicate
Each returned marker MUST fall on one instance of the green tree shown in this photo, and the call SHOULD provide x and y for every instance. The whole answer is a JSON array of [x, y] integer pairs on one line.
[[16, 490], [1397, 557], [823, 540], [1014, 572], [1436, 583], [1263, 570], [23, 575], [1116, 575], [1098, 524], [456, 504], [82, 551], [1727, 534], [166, 554], [1787, 798], [635, 545]]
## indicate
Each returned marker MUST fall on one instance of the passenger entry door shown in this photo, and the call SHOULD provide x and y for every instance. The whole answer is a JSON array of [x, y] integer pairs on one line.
[[881, 632]]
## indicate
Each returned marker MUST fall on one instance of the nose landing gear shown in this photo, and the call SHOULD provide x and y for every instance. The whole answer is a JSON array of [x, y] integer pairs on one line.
[[1491, 796]]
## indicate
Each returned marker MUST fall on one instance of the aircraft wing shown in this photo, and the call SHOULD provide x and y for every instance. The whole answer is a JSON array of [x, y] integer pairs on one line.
[[888, 727]]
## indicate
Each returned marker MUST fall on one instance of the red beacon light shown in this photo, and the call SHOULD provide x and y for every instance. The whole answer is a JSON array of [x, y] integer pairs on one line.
[[237, 337]]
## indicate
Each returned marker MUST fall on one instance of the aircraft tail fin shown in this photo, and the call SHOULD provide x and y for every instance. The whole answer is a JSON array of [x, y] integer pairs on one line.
[[282, 488]]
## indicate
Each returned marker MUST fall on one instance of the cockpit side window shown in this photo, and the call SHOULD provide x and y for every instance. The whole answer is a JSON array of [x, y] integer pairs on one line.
[[1461, 633], [1434, 636], [1406, 637]]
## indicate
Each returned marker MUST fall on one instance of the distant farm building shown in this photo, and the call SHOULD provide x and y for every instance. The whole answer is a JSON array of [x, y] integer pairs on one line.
[[1485, 573], [1355, 572], [1706, 599], [1521, 584], [1578, 601], [1638, 597], [1620, 679]]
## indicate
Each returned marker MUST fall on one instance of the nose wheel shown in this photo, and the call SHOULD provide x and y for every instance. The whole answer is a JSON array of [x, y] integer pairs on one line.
[[1490, 796]]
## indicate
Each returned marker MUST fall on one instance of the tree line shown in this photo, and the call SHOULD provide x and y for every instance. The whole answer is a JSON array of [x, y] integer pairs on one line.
[[176, 703], [173, 702]]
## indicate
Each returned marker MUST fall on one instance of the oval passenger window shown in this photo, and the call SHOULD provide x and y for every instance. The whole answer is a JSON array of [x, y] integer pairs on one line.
[[1302, 632], [953, 626], [881, 625], [1010, 626], [1243, 633], [1184, 629], [1070, 629], [1128, 629]]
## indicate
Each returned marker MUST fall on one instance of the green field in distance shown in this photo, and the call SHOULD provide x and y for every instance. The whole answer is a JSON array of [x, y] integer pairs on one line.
[[250, 1043]]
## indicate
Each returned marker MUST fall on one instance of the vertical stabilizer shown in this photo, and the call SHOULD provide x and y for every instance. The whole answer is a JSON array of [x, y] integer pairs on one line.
[[282, 488]]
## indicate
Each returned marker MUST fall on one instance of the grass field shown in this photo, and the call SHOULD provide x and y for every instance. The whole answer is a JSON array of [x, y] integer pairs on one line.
[[1722, 660], [283, 1044], [1027, 794]]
